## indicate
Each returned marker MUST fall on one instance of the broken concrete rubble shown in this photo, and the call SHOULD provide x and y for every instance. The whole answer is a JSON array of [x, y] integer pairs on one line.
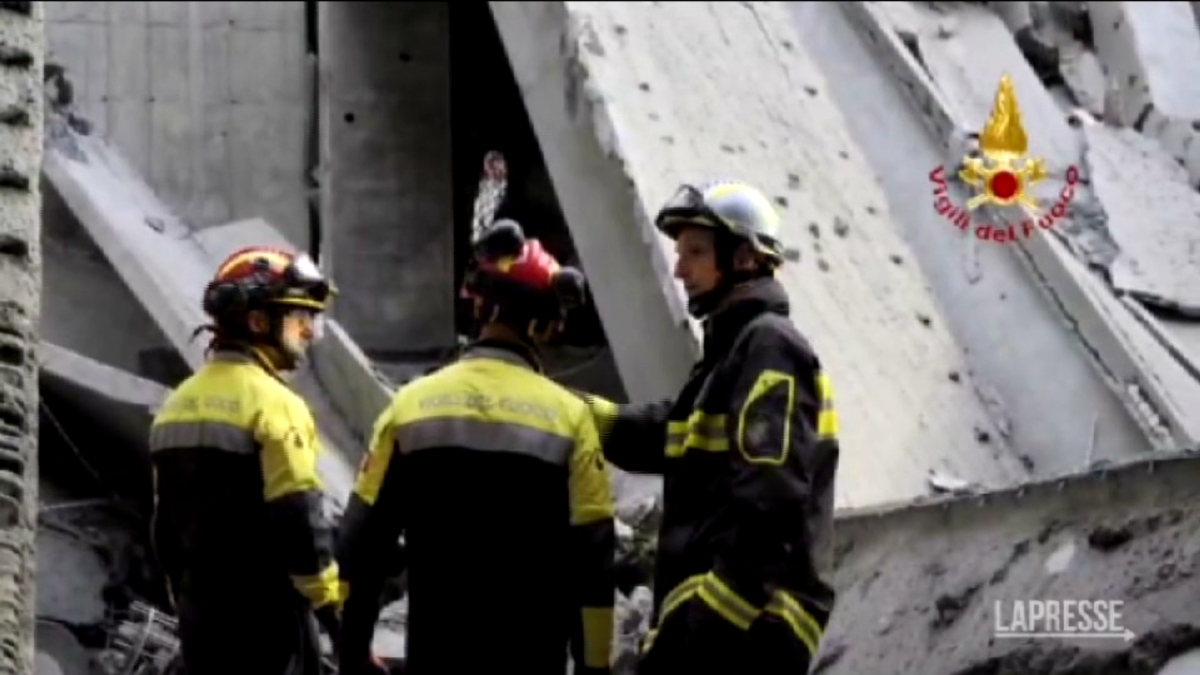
[[930, 574], [941, 568], [1152, 226], [1151, 51]]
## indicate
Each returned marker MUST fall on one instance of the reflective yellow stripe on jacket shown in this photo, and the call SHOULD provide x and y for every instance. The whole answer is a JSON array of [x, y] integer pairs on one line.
[[827, 419], [710, 432], [720, 598]]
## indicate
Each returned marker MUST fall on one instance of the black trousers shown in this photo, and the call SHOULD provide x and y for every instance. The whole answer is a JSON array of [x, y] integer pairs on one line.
[[223, 637]]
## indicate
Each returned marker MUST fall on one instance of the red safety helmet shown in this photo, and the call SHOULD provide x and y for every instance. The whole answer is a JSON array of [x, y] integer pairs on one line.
[[262, 276], [515, 280]]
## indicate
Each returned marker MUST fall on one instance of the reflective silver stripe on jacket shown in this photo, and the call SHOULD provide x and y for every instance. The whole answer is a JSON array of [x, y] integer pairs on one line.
[[458, 432], [215, 435]]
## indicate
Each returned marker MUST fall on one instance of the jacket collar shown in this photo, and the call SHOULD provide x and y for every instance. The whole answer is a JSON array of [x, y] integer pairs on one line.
[[744, 303], [250, 355], [502, 350]]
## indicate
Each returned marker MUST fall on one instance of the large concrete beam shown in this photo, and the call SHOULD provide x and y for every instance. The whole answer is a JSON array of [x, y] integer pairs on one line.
[[1151, 51], [119, 401], [629, 100], [954, 99], [166, 265], [918, 586]]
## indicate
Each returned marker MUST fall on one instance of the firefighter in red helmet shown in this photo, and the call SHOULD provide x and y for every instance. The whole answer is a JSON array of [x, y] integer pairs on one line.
[[239, 522], [493, 475]]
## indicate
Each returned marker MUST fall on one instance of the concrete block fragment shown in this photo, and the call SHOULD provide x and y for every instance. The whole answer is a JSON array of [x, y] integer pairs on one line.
[[1151, 51], [1152, 215], [970, 557], [121, 401], [71, 577]]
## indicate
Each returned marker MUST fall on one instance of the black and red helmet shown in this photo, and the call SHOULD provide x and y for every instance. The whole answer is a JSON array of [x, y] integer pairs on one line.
[[515, 278], [262, 276]]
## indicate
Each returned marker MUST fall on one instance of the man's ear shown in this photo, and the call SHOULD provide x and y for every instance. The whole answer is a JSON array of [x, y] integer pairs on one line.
[[258, 322], [745, 258]]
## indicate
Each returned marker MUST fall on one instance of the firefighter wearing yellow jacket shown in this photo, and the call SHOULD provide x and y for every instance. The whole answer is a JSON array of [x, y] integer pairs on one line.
[[748, 451], [238, 524], [494, 476]]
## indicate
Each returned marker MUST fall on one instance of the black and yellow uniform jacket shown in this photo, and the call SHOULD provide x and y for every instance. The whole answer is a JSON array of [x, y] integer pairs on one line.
[[239, 525], [748, 452], [494, 476]]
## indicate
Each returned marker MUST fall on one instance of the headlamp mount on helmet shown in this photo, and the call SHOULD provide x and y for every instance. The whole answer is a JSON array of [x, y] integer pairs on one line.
[[299, 284]]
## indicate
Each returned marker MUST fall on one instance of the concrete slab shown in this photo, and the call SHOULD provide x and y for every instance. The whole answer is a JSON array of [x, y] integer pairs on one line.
[[1155, 225], [918, 586], [210, 101], [1021, 359], [121, 401], [166, 267], [652, 95], [1151, 52], [1134, 366]]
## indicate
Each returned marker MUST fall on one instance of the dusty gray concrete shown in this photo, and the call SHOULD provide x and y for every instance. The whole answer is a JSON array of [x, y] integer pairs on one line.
[[604, 215], [603, 121], [1154, 388], [918, 586], [1023, 361], [22, 41], [211, 101], [122, 401], [1154, 225], [1151, 52], [386, 174], [81, 293]]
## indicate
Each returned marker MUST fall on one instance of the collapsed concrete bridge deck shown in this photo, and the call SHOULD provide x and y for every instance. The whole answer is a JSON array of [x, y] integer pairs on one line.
[[993, 364]]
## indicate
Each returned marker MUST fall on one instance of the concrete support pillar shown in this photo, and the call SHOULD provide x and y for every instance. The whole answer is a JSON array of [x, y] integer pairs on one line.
[[21, 48], [386, 173]]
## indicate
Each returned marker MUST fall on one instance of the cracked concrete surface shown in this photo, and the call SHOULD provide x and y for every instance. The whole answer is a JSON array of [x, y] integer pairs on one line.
[[929, 575]]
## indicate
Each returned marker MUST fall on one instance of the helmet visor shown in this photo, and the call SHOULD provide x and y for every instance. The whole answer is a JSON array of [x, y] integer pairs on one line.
[[303, 274], [686, 207]]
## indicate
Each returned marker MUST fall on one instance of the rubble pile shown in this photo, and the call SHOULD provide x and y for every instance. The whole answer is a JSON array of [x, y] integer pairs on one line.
[[637, 542]]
